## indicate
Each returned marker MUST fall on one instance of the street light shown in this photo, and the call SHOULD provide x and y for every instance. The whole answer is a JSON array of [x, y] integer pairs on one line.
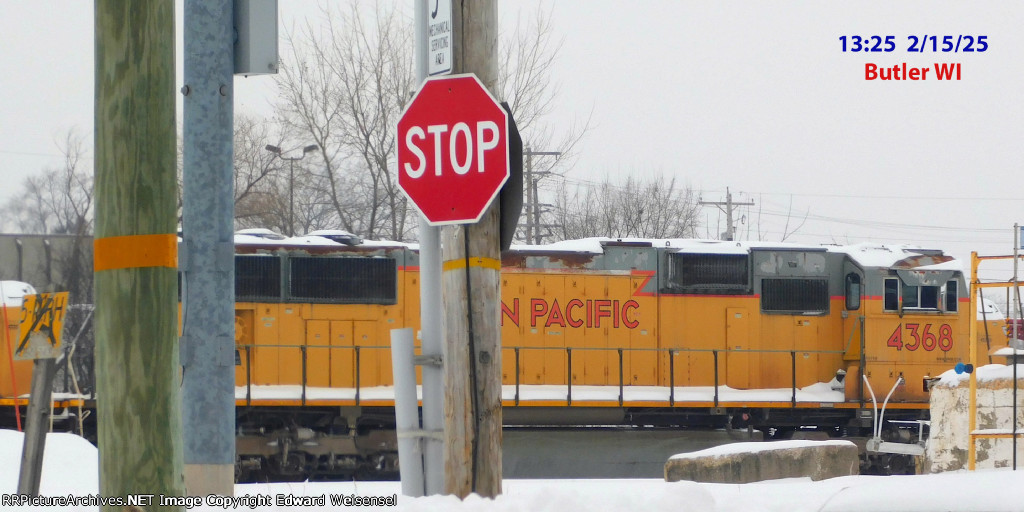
[[291, 179]]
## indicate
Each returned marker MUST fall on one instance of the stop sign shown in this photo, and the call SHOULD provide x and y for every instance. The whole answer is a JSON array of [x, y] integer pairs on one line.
[[452, 149]]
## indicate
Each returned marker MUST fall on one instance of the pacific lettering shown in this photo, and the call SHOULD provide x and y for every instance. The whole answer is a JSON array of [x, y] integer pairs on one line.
[[573, 304], [555, 318], [595, 313]]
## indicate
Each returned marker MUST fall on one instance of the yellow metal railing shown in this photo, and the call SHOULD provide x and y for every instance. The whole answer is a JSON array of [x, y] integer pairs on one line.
[[246, 355], [973, 431]]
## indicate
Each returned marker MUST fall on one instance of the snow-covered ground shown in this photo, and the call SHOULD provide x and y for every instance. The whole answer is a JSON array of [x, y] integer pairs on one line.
[[70, 469]]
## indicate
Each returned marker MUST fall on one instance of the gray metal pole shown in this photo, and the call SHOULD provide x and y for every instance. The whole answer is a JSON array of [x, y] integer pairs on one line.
[[207, 259], [433, 346], [37, 425], [430, 307], [530, 198], [407, 418], [291, 196], [1017, 314]]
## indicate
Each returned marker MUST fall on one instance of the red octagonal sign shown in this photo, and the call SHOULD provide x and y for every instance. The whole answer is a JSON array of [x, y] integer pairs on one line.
[[452, 149]]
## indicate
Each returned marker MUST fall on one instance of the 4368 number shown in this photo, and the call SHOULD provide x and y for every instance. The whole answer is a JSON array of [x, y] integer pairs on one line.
[[922, 337]]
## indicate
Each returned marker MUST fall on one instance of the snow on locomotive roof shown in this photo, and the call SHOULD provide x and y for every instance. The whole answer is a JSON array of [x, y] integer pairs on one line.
[[595, 245], [988, 310], [260, 233], [244, 238], [877, 255], [865, 254], [13, 292]]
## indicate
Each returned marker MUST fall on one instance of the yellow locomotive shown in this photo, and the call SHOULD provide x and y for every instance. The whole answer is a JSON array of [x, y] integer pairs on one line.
[[15, 376], [599, 331], [669, 333]]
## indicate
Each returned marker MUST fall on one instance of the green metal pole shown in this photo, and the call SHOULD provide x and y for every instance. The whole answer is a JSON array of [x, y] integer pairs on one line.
[[138, 376]]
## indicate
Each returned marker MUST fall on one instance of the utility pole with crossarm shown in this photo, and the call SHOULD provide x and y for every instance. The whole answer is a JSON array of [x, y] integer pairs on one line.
[[729, 206]]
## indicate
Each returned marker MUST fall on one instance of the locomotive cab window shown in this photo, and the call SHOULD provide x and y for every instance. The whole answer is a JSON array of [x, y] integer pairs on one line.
[[952, 297], [892, 294], [852, 291], [348, 280], [919, 297], [902, 296]]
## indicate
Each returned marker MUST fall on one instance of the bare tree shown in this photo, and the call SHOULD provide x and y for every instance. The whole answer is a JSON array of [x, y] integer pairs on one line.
[[529, 53], [255, 167], [343, 88], [58, 200], [346, 81], [657, 208]]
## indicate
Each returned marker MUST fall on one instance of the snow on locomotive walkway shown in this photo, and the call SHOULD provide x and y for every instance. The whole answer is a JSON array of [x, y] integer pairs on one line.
[[819, 392], [70, 469]]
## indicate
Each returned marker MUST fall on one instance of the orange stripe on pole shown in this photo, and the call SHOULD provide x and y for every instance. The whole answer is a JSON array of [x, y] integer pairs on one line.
[[135, 251]]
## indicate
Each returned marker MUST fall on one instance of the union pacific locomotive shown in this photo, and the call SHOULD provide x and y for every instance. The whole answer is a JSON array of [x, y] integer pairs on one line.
[[669, 333]]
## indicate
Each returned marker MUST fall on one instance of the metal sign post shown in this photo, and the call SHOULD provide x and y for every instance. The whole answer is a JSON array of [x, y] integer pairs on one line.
[[36, 426], [430, 299], [42, 321], [1016, 300]]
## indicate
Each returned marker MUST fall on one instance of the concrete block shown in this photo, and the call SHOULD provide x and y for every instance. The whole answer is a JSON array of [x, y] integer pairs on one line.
[[741, 463]]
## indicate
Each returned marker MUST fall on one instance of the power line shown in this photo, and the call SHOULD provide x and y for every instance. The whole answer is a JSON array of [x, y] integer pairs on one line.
[[29, 153], [883, 224], [869, 196]]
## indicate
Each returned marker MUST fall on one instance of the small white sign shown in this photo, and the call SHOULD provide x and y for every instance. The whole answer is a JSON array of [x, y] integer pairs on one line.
[[439, 37]]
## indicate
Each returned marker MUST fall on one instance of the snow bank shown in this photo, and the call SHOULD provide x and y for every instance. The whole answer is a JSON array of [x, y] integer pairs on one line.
[[70, 468], [736, 448], [987, 373]]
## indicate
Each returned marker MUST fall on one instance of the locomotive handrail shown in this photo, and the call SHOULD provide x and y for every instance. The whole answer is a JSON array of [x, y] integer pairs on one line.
[[715, 353], [518, 350], [568, 380], [511, 347]]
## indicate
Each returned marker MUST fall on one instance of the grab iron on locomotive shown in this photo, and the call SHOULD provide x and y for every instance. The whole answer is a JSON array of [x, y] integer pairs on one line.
[[685, 334]]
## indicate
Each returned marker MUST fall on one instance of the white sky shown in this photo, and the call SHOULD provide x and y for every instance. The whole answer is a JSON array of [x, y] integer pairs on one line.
[[754, 96]]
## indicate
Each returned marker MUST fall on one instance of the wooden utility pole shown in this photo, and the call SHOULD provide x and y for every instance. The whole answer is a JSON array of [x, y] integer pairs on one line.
[[135, 252], [471, 279], [729, 206], [533, 226]]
